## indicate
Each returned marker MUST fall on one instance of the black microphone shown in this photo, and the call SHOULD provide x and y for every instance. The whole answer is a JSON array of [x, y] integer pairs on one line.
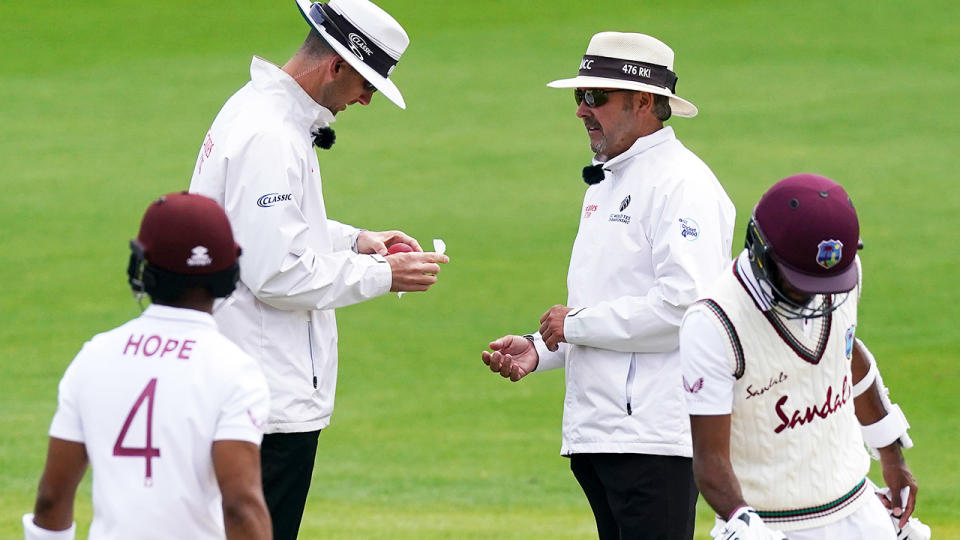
[[593, 174], [324, 137]]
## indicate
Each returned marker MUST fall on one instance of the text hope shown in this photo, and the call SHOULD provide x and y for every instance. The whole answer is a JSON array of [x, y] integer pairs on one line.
[[155, 345]]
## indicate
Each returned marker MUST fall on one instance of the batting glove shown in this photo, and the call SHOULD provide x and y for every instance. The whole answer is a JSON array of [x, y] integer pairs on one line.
[[745, 524], [914, 529]]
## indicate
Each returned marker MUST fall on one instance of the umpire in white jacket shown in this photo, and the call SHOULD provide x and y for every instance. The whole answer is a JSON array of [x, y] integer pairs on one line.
[[259, 163], [655, 229]]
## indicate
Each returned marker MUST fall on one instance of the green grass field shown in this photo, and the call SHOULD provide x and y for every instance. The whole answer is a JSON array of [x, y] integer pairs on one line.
[[103, 106]]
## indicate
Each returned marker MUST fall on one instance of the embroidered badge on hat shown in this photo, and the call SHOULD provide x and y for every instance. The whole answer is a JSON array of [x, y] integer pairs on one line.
[[829, 253]]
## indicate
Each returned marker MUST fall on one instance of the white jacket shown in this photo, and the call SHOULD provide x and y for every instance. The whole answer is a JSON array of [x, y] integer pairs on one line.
[[258, 162], [653, 234]]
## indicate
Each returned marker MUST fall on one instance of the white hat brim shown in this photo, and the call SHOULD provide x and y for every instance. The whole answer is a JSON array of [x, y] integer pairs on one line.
[[383, 84], [678, 105]]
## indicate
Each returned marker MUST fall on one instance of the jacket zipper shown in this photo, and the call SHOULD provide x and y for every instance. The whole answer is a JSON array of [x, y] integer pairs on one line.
[[313, 365], [631, 373]]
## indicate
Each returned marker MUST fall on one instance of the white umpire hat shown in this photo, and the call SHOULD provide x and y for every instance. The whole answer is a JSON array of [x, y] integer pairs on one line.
[[631, 62], [365, 35]]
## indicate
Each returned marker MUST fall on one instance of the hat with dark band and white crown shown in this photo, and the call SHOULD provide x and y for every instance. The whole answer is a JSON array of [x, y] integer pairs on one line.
[[364, 35], [629, 61]]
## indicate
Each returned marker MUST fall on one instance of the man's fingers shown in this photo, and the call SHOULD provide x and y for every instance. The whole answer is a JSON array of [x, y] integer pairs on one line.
[[494, 361], [516, 373], [485, 356], [505, 366], [909, 506], [436, 258]]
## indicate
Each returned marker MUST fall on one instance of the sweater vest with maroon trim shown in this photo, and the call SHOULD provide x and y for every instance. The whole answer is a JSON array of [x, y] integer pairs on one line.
[[795, 442]]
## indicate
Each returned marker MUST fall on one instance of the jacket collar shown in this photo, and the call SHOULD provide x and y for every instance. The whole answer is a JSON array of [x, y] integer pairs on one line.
[[270, 79], [156, 311], [639, 146]]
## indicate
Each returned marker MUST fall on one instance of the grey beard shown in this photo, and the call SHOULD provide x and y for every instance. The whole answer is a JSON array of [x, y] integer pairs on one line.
[[600, 146]]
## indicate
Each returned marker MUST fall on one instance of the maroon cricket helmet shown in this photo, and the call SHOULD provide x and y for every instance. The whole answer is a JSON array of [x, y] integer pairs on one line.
[[812, 232], [187, 234]]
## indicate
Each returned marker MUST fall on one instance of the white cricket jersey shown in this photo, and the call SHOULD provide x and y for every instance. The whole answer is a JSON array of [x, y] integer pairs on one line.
[[147, 400], [795, 442]]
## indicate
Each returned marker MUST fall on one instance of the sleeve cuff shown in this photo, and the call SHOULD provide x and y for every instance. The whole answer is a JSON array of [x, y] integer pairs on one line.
[[254, 436], [382, 275], [547, 359], [573, 328], [33, 532]]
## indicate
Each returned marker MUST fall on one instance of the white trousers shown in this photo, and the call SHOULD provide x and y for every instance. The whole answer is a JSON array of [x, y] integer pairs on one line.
[[870, 522]]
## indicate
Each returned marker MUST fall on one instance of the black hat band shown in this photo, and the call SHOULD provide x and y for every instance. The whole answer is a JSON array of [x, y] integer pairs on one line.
[[628, 70], [351, 37]]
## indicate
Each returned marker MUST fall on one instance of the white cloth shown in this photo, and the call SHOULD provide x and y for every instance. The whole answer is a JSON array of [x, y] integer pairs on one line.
[[258, 162], [652, 236], [869, 522], [169, 383]]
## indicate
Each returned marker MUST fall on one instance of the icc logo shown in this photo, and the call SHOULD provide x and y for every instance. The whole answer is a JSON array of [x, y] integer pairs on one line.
[[586, 64], [829, 253]]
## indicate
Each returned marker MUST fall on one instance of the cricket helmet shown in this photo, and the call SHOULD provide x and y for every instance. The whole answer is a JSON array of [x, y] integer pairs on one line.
[[185, 240], [805, 232]]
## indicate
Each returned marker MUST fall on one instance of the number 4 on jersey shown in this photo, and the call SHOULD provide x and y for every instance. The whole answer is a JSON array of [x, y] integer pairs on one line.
[[147, 452]]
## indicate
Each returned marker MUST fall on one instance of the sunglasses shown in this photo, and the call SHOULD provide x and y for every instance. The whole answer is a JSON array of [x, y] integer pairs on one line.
[[595, 97]]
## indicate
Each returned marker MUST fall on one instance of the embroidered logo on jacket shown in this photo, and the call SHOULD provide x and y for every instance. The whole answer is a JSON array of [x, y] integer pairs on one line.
[[589, 210], [829, 253], [621, 217], [689, 229], [270, 199]]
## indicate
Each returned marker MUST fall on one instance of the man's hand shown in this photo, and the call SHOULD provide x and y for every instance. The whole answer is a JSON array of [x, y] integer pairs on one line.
[[414, 271], [370, 242], [897, 476], [551, 326], [512, 357]]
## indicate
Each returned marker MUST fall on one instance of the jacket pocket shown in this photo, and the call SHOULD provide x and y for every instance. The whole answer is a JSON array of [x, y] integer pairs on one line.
[[631, 374], [313, 364]]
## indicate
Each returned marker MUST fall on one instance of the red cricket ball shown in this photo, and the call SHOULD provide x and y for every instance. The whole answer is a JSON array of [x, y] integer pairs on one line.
[[399, 247]]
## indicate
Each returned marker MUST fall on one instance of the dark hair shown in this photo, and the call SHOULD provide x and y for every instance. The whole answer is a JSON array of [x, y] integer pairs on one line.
[[315, 46], [661, 107]]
